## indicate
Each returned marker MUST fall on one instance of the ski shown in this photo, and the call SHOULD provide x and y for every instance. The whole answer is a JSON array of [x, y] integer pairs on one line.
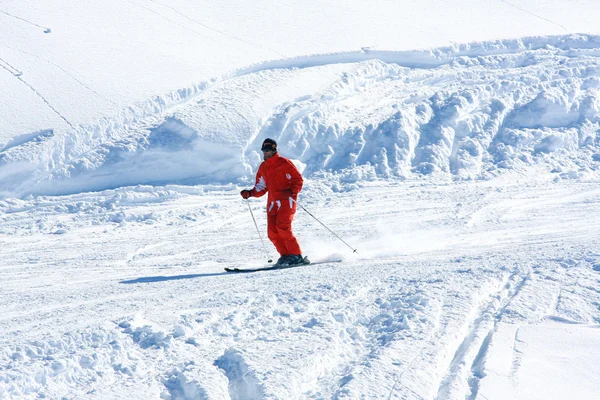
[[305, 261], [268, 268], [276, 267]]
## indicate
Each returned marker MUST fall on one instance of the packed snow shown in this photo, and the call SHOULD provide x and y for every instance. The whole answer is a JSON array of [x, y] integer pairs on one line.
[[457, 149]]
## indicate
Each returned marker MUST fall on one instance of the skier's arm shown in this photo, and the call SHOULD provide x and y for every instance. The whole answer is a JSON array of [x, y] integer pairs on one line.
[[295, 177], [260, 187]]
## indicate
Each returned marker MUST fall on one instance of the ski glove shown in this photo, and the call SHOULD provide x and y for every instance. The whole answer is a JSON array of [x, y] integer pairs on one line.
[[246, 194], [287, 192]]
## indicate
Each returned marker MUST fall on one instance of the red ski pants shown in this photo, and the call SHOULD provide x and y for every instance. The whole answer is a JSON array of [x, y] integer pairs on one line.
[[279, 228]]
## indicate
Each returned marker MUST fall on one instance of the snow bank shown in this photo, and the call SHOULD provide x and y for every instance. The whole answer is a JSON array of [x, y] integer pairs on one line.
[[465, 112]]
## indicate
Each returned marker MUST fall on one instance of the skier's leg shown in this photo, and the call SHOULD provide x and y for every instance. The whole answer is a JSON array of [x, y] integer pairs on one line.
[[284, 229], [274, 237]]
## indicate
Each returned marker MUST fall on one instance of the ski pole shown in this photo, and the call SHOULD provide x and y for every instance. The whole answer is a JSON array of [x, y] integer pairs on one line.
[[258, 231], [332, 232]]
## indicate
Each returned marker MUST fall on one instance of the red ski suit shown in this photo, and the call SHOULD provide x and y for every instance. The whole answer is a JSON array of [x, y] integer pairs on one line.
[[280, 177]]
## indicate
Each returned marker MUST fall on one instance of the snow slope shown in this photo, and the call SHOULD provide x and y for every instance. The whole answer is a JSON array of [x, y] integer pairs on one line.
[[122, 294], [457, 148]]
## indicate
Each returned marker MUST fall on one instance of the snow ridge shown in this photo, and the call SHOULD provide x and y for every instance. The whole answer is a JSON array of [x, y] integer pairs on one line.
[[463, 112], [242, 382]]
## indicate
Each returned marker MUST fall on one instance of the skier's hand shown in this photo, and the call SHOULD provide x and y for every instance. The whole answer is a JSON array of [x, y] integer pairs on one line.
[[246, 193], [287, 192]]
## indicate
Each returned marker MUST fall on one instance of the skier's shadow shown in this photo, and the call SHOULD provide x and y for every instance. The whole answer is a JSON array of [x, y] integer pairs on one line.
[[153, 279]]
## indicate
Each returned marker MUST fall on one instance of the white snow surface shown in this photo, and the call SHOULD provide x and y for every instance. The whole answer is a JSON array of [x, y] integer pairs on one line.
[[484, 289], [456, 147]]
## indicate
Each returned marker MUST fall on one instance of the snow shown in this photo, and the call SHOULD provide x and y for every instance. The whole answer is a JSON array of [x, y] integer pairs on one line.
[[455, 147], [525, 358], [465, 112], [134, 293]]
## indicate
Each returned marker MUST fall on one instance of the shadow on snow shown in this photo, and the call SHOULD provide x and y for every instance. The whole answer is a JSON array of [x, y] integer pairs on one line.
[[151, 279]]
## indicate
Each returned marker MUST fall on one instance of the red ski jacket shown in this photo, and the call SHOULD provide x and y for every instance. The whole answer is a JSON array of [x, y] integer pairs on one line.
[[277, 175]]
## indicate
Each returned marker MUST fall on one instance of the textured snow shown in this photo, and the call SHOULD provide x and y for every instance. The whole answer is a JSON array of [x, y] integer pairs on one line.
[[123, 293], [456, 148], [467, 112]]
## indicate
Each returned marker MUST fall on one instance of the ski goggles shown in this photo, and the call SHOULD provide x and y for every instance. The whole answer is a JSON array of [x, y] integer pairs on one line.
[[268, 147]]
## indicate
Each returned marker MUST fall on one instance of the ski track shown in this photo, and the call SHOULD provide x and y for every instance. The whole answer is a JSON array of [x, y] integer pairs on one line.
[[471, 351]]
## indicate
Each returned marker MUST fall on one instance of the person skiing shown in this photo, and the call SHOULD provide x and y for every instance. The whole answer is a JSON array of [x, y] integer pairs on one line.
[[280, 177]]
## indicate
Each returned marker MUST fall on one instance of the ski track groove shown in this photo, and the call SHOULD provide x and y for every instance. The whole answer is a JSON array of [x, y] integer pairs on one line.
[[399, 379], [517, 354], [228, 36], [37, 93], [489, 313], [535, 15], [63, 70], [46, 29]]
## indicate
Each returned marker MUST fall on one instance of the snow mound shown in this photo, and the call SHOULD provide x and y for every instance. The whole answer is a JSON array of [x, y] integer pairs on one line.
[[462, 112]]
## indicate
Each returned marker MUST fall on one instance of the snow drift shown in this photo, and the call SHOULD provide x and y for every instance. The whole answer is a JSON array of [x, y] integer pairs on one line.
[[462, 112]]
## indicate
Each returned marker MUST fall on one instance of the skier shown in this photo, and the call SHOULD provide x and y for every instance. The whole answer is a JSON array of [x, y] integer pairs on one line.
[[280, 177]]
